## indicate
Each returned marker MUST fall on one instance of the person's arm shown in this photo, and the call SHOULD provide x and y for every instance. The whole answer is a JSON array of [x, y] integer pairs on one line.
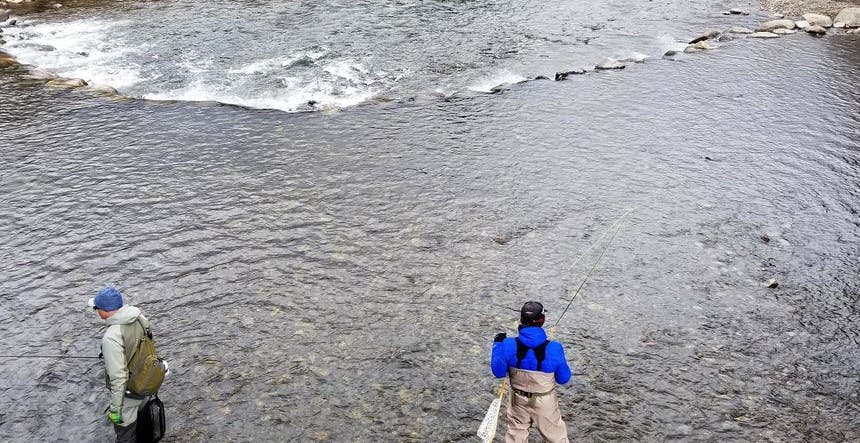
[[498, 359], [562, 370], [117, 372]]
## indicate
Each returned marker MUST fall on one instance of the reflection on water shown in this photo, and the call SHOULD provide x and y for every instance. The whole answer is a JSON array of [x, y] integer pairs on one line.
[[339, 277]]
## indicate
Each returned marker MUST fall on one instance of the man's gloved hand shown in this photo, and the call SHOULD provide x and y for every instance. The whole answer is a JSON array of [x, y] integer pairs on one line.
[[115, 417], [500, 337]]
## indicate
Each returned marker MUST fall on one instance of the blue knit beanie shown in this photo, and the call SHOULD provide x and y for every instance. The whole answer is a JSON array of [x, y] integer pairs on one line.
[[108, 299]]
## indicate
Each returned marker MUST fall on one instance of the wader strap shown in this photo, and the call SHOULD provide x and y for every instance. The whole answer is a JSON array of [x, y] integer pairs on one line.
[[539, 350]]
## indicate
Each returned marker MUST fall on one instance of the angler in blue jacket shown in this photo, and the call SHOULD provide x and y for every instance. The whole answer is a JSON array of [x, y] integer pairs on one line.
[[535, 365]]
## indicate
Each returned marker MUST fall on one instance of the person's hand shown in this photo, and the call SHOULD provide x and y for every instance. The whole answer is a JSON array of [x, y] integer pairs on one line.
[[115, 417], [500, 337]]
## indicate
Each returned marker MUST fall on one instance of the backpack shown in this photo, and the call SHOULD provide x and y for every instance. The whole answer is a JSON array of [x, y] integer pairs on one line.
[[150, 421], [145, 370]]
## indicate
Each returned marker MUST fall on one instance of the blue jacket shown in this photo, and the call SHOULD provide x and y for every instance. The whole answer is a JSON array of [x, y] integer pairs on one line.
[[505, 355]]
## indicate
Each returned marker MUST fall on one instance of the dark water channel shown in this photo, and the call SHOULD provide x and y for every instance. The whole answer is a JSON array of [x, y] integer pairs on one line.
[[339, 276]]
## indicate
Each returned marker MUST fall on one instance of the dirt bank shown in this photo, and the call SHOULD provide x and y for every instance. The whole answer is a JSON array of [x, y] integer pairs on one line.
[[795, 8]]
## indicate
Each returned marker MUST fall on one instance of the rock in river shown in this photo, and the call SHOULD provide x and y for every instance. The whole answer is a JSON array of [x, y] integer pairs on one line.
[[775, 24], [66, 83], [705, 36], [740, 30], [818, 19], [847, 18], [816, 30], [784, 31]]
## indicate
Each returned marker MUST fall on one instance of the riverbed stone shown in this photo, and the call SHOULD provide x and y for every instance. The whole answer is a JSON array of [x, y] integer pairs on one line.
[[775, 24], [847, 18], [609, 65], [705, 36], [784, 31], [818, 19], [816, 30], [67, 82], [700, 46], [801, 24], [763, 35], [740, 30]]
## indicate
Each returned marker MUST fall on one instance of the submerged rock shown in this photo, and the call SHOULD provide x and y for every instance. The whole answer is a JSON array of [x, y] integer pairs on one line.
[[775, 24], [816, 30], [763, 35], [738, 11], [66, 82], [818, 19], [740, 30], [784, 31], [847, 18], [612, 64], [772, 283]]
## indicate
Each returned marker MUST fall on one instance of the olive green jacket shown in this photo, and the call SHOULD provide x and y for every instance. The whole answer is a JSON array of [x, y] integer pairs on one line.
[[118, 345]]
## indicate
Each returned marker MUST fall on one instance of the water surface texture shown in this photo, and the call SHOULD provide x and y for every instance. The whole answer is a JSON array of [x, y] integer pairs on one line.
[[339, 275]]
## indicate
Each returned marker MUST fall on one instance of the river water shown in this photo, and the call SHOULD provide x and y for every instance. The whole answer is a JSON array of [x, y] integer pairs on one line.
[[336, 271]]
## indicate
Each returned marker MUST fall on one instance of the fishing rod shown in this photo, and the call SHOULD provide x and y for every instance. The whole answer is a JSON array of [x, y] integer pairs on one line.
[[619, 224], [48, 356]]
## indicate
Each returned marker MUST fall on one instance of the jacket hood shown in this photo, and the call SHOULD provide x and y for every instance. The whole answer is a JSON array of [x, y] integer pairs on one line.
[[124, 315], [532, 336]]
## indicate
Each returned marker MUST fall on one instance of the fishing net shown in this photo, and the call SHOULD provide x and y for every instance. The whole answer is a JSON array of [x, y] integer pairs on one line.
[[487, 430]]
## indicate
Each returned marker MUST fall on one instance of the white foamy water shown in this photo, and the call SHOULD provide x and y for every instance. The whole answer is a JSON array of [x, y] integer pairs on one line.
[[87, 49], [498, 79]]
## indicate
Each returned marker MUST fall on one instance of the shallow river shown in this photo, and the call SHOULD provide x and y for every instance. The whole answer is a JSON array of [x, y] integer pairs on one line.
[[338, 275]]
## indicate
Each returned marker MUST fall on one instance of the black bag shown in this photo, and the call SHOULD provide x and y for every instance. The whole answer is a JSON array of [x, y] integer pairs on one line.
[[150, 421]]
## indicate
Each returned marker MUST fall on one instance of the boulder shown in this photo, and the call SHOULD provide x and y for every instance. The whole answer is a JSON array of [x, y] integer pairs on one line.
[[801, 24], [775, 24], [66, 83], [763, 35], [705, 36], [784, 31], [818, 19], [847, 18], [740, 30], [608, 65], [816, 30]]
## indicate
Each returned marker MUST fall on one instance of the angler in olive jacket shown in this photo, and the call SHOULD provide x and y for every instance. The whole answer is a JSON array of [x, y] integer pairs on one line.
[[118, 343]]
